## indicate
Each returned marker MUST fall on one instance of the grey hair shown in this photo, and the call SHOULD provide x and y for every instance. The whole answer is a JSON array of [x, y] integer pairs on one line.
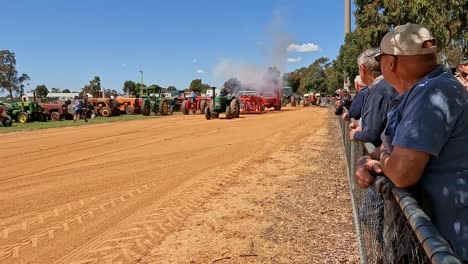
[[359, 81], [370, 63]]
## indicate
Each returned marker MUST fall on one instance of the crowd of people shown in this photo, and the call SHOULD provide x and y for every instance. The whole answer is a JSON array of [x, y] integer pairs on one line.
[[415, 112]]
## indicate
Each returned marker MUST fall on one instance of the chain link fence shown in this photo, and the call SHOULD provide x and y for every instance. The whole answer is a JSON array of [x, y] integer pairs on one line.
[[390, 226]]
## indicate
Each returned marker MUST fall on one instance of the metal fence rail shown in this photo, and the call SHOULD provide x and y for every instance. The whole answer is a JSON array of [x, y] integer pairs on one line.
[[390, 225]]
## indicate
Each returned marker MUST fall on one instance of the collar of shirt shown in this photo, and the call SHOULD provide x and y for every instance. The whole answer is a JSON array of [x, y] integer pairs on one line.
[[376, 81]]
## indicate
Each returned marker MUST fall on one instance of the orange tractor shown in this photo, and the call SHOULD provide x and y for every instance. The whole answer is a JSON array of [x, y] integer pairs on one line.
[[129, 105]]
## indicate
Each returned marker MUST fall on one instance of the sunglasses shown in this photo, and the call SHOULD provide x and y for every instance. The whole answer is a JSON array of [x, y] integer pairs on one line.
[[379, 58]]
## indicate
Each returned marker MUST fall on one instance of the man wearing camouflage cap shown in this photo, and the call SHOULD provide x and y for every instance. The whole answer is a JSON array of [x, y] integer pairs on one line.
[[425, 142]]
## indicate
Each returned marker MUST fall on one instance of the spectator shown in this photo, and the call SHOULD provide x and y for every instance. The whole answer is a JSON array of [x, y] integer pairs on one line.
[[374, 109], [343, 102], [462, 74], [425, 141], [78, 107], [358, 100]]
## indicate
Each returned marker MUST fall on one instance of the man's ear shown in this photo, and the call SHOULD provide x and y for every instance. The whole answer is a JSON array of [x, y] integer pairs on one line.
[[393, 64]]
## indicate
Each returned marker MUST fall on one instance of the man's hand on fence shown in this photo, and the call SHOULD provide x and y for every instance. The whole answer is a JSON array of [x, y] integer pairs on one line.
[[345, 117], [351, 133], [353, 124], [365, 168]]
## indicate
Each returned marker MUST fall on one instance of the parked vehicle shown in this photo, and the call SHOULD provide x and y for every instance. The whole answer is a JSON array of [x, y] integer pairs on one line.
[[129, 106], [227, 104], [5, 119], [105, 107]]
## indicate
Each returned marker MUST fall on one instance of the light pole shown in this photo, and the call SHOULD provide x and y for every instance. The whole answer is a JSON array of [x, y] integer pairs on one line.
[[141, 71], [347, 29]]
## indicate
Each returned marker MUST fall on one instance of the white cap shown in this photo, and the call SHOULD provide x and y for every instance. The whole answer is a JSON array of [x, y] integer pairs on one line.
[[405, 39]]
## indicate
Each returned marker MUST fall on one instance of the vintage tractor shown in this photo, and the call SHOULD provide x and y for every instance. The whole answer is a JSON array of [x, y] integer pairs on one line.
[[105, 107], [129, 106], [193, 105], [150, 103], [272, 101], [5, 119], [251, 103], [309, 99], [25, 111], [58, 111], [224, 103]]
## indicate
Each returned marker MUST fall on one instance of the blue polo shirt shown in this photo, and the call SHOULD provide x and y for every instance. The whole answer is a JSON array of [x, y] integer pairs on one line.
[[374, 111], [432, 117], [356, 105]]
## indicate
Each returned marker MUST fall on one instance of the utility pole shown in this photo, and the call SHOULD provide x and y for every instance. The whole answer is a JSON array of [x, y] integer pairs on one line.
[[347, 29], [141, 71]]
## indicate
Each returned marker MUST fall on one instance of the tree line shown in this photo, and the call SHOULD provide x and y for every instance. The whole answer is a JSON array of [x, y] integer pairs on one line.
[[448, 21]]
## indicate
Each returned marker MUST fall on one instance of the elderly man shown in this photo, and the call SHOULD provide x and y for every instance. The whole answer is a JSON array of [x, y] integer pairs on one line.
[[374, 109], [462, 74], [354, 111], [425, 142]]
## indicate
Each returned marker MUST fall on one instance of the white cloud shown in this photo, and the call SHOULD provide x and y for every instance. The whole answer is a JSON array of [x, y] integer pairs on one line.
[[308, 47], [194, 60], [298, 59], [200, 71]]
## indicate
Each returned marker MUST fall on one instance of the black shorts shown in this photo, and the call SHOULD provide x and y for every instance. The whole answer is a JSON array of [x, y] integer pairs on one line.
[[79, 112]]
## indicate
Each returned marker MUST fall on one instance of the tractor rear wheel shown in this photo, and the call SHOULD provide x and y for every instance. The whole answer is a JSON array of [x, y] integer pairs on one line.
[[228, 112], [202, 106], [130, 110], [145, 108], [293, 101], [208, 113], [55, 116], [183, 107], [105, 112], [7, 121], [22, 117], [235, 108], [163, 107]]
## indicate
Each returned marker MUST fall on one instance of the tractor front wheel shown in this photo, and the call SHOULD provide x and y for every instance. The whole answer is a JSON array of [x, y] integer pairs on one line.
[[163, 107], [7, 121], [23, 117], [208, 113], [130, 110], [105, 112], [55, 116]]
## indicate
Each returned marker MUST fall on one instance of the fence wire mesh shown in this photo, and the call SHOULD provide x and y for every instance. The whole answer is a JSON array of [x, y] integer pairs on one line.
[[384, 233]]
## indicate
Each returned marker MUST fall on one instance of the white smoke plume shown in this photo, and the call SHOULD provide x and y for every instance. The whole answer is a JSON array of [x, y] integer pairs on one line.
[[260, 77]]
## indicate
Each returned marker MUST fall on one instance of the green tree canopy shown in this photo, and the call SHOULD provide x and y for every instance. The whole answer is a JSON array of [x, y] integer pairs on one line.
[[9, 79], [196, 85], [42, 91], [93, 88], [66, 91], [171, 88], [130, 87], [55, 90]]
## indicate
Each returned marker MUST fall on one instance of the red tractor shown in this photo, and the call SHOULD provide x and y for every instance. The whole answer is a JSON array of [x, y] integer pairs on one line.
[[251, 103], [4, 118], [272, 100], [57, 111], [194, 104]]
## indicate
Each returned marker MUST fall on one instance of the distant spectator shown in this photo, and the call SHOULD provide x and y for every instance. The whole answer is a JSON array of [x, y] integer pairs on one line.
[[354, 111], [462, 74], [425, 141], [374, 109], [344, 101], [79, 108]]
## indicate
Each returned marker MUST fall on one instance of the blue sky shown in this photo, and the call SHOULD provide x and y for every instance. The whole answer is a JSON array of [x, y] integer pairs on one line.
[[65, 43]]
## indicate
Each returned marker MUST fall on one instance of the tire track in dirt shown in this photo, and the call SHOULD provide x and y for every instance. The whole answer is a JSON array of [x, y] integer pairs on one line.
[[132, 218]]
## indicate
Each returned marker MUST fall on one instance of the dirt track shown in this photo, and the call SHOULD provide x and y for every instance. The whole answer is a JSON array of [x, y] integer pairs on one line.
[[114, 192]]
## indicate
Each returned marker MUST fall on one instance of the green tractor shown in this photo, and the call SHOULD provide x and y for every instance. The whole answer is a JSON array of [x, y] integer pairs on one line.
[[153, 104], [223, 103], [24, 112]]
